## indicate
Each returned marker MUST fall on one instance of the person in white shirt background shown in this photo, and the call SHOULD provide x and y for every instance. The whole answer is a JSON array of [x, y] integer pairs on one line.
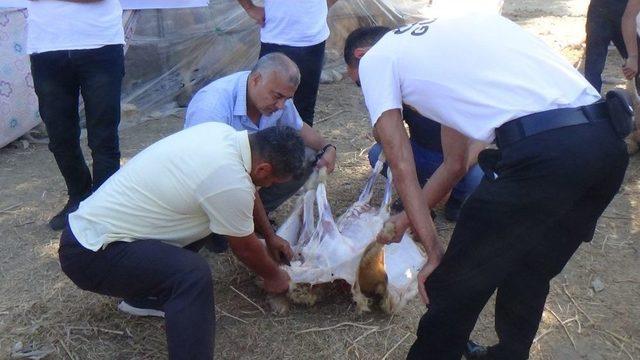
[[558, 164], [298, 29], [76, 48]]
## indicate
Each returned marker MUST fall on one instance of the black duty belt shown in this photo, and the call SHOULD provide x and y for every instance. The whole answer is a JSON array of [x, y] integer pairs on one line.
[[520, 128]]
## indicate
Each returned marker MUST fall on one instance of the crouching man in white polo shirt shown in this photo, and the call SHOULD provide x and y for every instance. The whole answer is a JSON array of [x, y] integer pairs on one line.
[[558, 164], [255, 100], [132, 238]]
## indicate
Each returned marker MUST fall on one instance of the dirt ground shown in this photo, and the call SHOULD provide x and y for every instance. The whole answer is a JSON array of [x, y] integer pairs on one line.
[[40, 308]]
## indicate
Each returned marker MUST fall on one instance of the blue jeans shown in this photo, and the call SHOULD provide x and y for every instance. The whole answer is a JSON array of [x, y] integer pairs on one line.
[[59, 77], [427, 162], [603, 26], [309, 60]]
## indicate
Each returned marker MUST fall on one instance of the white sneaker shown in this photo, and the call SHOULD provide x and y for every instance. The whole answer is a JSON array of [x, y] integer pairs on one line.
[[124, 307]]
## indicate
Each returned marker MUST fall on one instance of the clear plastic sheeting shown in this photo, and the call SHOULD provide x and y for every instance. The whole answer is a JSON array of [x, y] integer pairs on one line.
[[173, 53], [328, 250]]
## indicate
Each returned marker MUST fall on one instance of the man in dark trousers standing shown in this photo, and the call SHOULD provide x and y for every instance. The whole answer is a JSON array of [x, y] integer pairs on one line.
[[611, 21], [76, 48]]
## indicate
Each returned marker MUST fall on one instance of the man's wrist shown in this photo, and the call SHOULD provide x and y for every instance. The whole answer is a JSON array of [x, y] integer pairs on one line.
[[269, 238], [247, 5], [324, 150], [327, 147]]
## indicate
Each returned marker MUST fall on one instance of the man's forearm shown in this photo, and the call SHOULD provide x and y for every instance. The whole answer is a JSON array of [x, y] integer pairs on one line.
[[312, 138], [440, 184], [246, 4], [399, 155], [629, 28], [261, 220], [455, 151], [251, 252]]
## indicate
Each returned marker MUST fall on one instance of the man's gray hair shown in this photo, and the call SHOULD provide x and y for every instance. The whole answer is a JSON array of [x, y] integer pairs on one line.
[[280, 64]]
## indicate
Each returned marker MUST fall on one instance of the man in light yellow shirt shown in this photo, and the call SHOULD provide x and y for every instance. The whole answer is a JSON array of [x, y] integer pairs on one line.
[[132, 237]]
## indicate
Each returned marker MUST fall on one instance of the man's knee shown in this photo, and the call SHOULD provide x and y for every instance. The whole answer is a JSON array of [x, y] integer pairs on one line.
[[197, 274]]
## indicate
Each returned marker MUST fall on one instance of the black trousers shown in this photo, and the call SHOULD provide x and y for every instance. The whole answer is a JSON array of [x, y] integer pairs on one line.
[[309, 60], [515, 233], [178, 278], [59, 77]]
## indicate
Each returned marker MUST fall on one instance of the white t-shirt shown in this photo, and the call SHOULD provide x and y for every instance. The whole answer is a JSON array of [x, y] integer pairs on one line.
[[295, 22], [472, 73], [178, 190], [65, 25]]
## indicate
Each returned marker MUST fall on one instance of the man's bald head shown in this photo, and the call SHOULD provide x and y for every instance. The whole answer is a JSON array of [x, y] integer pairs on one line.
[[273, 80], [280, 65]]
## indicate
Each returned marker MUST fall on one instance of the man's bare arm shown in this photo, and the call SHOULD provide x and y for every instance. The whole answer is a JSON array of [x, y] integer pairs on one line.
[[455, 151], [254, 255], [399, 155], [314, 140], [397, 149], [277, 246], [630, 35], [254, 12]]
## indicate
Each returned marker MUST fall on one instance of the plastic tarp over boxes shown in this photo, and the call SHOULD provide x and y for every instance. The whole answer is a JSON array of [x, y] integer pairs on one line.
[[18, 102]]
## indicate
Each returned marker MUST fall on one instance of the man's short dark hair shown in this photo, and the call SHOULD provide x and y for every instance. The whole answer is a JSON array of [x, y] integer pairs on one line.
[[280, 146], [362, 37]]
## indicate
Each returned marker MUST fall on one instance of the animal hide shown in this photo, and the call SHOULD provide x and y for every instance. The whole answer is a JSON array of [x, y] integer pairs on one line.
[[327, 250]]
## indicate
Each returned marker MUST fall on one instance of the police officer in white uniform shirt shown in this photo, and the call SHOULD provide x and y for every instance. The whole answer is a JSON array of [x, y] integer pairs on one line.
[[558, 164]]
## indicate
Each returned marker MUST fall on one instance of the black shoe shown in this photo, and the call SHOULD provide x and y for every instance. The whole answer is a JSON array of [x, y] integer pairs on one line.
[[60, 220], [474, 351], [452, 209]]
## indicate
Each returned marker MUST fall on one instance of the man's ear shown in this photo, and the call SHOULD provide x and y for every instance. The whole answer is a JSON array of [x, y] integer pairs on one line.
[[359, 52], [255, 79], [263, 169]]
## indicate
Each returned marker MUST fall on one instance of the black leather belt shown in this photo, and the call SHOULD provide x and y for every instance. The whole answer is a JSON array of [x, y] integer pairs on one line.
[[520, 128]]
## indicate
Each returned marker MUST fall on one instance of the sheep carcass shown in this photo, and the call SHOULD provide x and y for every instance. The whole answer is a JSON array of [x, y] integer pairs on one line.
[[327, 250]]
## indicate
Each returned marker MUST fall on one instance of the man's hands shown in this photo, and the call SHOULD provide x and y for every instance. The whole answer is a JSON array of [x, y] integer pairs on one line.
[[256, 13], [434, 257], [277, 284], [279, 248], [328, 160], [394, 228], [630, 67]]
